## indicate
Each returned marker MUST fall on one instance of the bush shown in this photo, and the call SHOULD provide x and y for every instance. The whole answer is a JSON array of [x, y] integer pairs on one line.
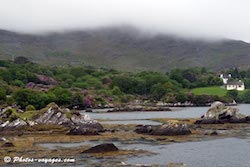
[[245, 97], [130, 85], [200, 100], [158, 91], [62, 96], [232, 94], [10, 100], [30, 108], [17, 83], [25, 97], [2, 94], [181, 97], [127, 98], [116, 91], [77, 100], [21, 60]]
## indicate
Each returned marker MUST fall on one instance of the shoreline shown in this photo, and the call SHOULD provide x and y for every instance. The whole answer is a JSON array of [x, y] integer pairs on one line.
[[25, 143], [152, 108]]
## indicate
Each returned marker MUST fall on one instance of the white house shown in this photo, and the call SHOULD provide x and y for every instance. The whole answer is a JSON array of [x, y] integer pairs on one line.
[[225, 78], [240, 86]]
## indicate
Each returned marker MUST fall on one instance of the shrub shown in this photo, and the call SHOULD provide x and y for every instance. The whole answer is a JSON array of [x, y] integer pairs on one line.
[[17, 83], [77, 100], [2, 94], [232, 94], [158, 91], [25, 97], [62, 96], [116, 91], [30, 108], [245, 97], [10, 100]]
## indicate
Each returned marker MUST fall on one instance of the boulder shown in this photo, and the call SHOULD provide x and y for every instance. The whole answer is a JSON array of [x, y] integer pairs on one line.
[[219, 113], [102, 148], [8, 144], [3, 139], [214, 133], [88, 110], [177, 165], [171, 128], [86, 129], [146, 128]]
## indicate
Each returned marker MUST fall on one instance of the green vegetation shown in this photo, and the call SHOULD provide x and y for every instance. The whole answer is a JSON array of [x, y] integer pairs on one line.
[[33, 86], [13, 114], [214, 90]]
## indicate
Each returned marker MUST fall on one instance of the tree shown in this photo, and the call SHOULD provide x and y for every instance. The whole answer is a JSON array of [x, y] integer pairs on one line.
[[63, 96], [245, 97], [6, 75], [21, 60], [2, 94], [200, 100], [25, 97], [77, 100], [129, 84], [158, 91], [176, 75], [116, 91], [247, 82], [77, 72], [232, 94], [181, 97]]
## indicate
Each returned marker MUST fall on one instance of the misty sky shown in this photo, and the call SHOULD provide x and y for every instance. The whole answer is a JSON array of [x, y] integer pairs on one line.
[[189, 18]]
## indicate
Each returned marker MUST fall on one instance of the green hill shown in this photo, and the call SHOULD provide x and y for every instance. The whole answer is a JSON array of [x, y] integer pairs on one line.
[[124, 49]]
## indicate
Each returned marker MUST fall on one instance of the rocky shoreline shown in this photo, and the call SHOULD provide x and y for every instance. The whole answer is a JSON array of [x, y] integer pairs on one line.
[[55, 124], [51, 115]]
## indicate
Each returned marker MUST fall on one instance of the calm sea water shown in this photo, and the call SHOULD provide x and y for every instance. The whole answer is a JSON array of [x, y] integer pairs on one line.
[[138, 117], [228, 152]]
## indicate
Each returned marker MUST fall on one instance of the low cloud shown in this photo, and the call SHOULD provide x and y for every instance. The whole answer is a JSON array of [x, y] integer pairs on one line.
[[210, 19]]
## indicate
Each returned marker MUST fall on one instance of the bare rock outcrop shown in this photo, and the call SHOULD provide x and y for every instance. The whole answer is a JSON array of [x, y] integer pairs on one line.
[[219, 113], [78, 124], [171, 128]]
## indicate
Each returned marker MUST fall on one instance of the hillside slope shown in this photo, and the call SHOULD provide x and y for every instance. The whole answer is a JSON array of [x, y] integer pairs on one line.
[[124, 49]]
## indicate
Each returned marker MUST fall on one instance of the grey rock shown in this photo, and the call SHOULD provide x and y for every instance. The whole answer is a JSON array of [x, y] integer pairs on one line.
[[12, 125], [8, 144], [219, 113], [102, 148], [54, 115], [171, 128], [79, 124], [17, 123]]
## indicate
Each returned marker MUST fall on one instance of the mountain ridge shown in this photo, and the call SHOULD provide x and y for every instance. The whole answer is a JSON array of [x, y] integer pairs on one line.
[[125, 49]]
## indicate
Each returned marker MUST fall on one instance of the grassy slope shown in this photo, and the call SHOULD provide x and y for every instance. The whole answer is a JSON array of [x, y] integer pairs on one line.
[[215, 90]]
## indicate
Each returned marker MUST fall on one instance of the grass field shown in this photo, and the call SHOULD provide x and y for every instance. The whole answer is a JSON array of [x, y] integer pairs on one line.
[[215, 90]]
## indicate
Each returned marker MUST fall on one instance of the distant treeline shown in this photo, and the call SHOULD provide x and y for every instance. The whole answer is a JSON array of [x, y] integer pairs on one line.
[[25, 83]]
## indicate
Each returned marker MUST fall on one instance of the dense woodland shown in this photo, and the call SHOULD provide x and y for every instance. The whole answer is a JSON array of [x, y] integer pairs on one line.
[[34, 86]]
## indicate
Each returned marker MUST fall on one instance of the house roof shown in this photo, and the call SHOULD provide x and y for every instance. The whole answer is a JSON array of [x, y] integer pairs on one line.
[[235, 83]]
